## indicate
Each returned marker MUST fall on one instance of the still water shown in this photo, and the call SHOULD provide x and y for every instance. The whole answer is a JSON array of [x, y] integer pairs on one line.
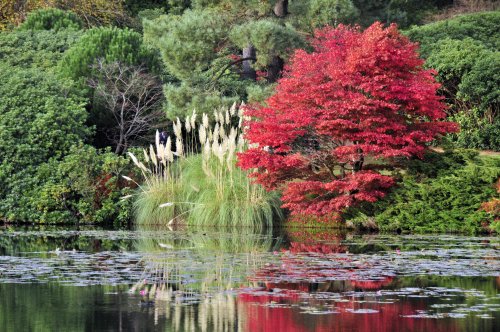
[[246, 280]]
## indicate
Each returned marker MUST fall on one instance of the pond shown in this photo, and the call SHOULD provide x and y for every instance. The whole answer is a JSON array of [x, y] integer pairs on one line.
[[189, 279]]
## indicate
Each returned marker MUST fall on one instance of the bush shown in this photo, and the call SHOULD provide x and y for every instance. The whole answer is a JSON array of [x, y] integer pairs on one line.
[[110, 44], [480, 27], [41, 49], [477, 130], [85, 186], [51, 19], [41, 118], [446, 196], [464, 51], [481, 84]]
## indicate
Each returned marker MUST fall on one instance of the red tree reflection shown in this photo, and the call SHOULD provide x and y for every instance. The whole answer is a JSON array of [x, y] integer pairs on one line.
[[283, 306]]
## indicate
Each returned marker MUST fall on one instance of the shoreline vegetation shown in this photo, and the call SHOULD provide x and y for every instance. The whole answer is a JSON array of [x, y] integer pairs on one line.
[[198, 182], [85, 91]]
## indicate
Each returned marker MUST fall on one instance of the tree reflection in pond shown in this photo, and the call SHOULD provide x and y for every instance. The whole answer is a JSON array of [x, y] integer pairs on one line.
[[308, 282], [245, 280]]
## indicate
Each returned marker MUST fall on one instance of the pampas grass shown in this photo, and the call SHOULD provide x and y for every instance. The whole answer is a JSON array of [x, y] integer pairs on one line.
[[205, 188]]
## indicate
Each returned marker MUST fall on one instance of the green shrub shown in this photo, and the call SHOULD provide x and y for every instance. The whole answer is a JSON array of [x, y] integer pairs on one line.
[[478, 130], [442, 194], [41, 117], [42, 49], [465, 52], [479, 26], [51, 19], [453, 59], [481, 84], [110, 44], [85, 186]]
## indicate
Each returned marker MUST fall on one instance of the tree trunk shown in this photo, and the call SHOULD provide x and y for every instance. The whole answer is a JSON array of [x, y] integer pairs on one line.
[[274, 69], [120, 143], [281, 8], [276, 66], [248, 71]]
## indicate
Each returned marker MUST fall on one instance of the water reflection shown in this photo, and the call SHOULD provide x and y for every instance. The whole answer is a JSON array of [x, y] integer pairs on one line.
[[194, 274], [160, 279], [312, 281]]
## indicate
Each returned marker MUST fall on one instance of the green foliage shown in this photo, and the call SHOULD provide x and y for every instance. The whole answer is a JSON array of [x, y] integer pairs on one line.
[[193, 50], [402, 12], [238, 203], [147, 210], [453, 59], [202, 188], [481, 84], [202, 96], [441, 194], [134, 7], [465, 52], [469, 72], [331, 12], [41, 49], [478, 130], [200, 200], [258, 93], [187, 43], [269, 39], [51, 19], [41, 118], [407, 12], [480, 27], [110, 44], [150, 14], [86, 186], [176, 7]]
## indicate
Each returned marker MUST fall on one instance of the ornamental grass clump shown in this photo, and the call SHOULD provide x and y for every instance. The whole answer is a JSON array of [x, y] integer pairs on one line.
[[198, 183]]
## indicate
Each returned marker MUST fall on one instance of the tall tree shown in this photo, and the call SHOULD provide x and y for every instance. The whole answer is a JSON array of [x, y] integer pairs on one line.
[[229, 42], [360, 96]]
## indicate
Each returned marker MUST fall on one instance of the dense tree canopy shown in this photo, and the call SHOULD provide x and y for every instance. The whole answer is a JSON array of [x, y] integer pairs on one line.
[[108, 44], [41, 49], [465, 52], [216, 45], [51, 19], [41, 118], [359, 96]]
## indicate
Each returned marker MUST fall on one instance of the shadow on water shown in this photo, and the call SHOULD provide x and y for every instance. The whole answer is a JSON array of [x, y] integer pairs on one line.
[[194, 279]]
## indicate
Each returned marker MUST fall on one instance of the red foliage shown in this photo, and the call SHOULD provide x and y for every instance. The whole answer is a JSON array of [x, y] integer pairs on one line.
[[361, 95], [492, 206], [102, 189], [390, 315]]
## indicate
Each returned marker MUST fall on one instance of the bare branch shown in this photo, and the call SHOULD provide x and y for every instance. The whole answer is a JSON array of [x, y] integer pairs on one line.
[[132, 96]]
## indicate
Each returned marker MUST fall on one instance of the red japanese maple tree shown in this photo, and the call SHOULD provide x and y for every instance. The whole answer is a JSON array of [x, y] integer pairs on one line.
[[360, 95]]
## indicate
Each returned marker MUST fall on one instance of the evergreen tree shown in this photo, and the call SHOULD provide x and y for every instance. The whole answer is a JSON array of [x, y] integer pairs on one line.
[[221, 51]]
